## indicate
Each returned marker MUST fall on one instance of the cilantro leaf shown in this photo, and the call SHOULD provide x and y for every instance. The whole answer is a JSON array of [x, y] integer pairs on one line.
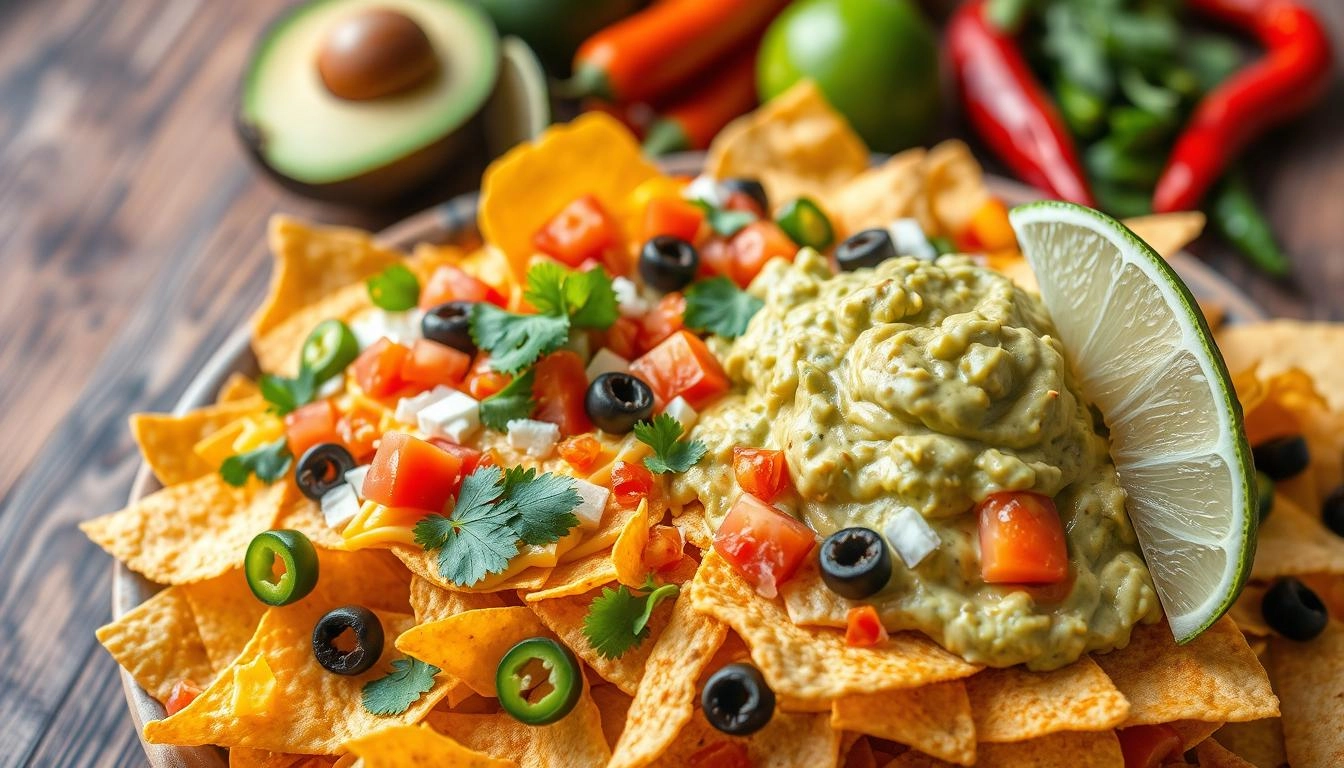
[[670, 454], [720, 307], [512, 402], [724, 221], [395, 692], [609, 625], [544, 504], [516, 341], [284, 394], [546, 288], [395, 289], [651, 602], [269, 463], [587, 298]]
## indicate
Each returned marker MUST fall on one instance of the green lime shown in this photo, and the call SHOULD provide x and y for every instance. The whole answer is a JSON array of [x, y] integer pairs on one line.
[[876, 61], [1147, 359]]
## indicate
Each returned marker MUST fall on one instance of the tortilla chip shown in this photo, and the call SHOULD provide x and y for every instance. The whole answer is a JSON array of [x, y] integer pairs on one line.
[[188, 532], [955, 187], [332, 712], [432, 603], [592, 155], [469, 645], [576, 740], [666, 696], [1167, 233], [787, 741], [313, 262], [575, 578], [237, 387], [694, 527], [934, 719], [227, 614], [1259, 742], [1211, 754], [1310, 680], [166, 440], [796, 145], [1213, 678], [1246, 610], [157, 642], [627, 554], [1279, 345], [1060, 750], [880, 195], [614, 705], [243, 757], [1193, 732], [425, 564], [1015, 704], [1294, 543], [278, 349], [407, 746], [814, 663]]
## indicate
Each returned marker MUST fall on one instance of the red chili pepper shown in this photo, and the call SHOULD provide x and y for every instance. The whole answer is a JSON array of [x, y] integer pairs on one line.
[[692, 120], [1292, 76], [1009, 109]]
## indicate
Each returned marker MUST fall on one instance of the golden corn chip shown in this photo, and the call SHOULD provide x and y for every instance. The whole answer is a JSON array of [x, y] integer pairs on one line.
[[693, 526], [157, 642], [1246, 611], [813, 663], [495, 734], [278, 348], [1293, 543], [613, 704], [312, 710], [313, 262], [1060, 750], [787, 741], [1193, 732], [934, 719], [425, 564], [1280, 345], [627, 554], [614, 521], [244, 757], [1167, 233], [305, 516], [237, 387], [1213, 678], [882, 194], [575, 578], [955, 186], [796, 144], [469, 645], [1259, 742], [1015, 704], [166, 440], [1310, 680], [666, 696], [227, 615], [576, 740], [1211, 754], [521, 191], [188, 532], [431, 602], [1288, 403], [407, 746]]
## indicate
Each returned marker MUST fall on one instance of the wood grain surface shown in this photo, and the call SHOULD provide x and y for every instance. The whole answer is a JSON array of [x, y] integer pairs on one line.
[[130, 242]]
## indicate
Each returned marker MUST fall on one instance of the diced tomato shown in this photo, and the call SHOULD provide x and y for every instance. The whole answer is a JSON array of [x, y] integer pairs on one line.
[[863, 627], [470, 458], [430, 364], [1021, 539], [721, 754], [582, 452], [665, 547], [377, 370], [180, 695], [765, 545], [581, 230], [631, 483], [756, 244], [760, 472], [309, 425], [672, 216], [682, 366], [483, 381], [1148, 746], [988, 230], [559, 387], [449, 283], [359, 430], [409, 472], [716, 258], [665, 319], [623, 337], [741, 201]]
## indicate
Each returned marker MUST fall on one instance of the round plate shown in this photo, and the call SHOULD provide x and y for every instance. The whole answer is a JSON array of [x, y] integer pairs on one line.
[[455, 222]]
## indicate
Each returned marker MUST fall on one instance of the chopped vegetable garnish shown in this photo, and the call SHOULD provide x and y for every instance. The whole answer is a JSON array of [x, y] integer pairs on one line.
[[718, 306], [268, 463], [763, 544], [1021, 539], [761, 472], [395, 289], [618, 619], [805, 224], [512, 402], [395, 692], [297, 558], [724, 221], [410, 472], [586, 297], [329, 349], [285, 394], [863, 627], [630, 483], [670, 453], [515, 341], [533, 699]]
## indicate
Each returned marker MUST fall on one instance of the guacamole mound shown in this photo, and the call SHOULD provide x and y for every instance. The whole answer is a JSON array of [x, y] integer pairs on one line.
[[930, 386]]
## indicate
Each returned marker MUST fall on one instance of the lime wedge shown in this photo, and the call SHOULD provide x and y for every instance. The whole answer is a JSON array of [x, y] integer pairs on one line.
[[1147, 359]]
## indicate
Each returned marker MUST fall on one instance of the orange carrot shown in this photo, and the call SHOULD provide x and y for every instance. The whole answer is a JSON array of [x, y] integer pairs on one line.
[[692, 120]]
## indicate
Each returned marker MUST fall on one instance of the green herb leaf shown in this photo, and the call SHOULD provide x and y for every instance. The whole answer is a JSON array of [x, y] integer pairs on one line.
[[651, 602], [395, 692], [512, 402], [395, 289], [670, 454], [610, 623], [587, 298], [718, 306], [545, 289], [544, 503], [269, 463], [516, 341], [284, 394], [724, 221]]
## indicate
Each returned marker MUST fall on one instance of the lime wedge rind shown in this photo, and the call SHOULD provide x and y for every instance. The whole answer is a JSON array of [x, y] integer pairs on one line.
[[1196, 471]]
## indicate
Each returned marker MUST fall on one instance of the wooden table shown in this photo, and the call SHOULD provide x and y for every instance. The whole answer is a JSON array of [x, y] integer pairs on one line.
[[131, 244]]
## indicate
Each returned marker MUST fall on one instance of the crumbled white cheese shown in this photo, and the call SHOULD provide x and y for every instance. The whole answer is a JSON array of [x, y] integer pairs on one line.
[[339, 506], [706, 188], [456, 417], [408, 408], [682, 411], [355, 478], [373, 324], [331, 387], [628, 298], [606, 361], [910, 535], [909, 238], [594, 502], [536, 438]]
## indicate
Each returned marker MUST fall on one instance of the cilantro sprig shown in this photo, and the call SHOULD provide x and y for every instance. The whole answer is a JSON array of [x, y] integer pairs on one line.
[[718, 306], [670, 453], [618, 619], [395, 289], [725, 221], [284, 394], [269, 463], [496, 511], [395, 692], [563, 300], [514, 401]]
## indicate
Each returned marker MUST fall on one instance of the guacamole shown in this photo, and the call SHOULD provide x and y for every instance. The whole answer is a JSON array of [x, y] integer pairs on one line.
[[929, 386]]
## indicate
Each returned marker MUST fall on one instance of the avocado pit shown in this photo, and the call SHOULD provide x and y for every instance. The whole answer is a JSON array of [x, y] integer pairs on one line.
[[375, 53]]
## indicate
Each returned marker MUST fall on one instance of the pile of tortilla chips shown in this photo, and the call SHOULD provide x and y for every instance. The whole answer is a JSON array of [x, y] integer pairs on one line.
[[905, 702]]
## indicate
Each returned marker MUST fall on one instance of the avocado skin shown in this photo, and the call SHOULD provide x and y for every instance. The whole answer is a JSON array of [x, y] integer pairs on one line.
[[554, 29]]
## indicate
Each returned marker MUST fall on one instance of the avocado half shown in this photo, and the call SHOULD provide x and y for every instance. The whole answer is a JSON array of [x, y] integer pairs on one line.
[[373, 151]]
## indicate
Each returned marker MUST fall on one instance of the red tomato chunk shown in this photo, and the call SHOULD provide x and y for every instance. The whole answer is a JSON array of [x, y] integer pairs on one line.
[[765, 545], [580, 231], [863, 628], [409, 472], [760, 472], [1021, 539], [682, 366]]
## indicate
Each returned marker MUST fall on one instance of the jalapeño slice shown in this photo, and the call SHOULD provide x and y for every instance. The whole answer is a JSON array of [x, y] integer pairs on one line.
[[295, 553], [805, 224], [329, 349], [539, 681]]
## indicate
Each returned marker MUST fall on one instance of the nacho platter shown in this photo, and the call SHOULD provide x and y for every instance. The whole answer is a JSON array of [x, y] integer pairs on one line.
[[131, 589]]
